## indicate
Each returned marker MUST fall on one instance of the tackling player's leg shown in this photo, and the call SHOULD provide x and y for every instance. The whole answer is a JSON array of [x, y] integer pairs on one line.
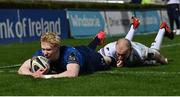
[[155, 46], [168, 32], [134, 25], [163, 31]]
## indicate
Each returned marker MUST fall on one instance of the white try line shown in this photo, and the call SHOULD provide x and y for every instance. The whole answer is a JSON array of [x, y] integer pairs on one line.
[[120, 72], [9, 71], [141, 72], [170, 45], [10, 66]]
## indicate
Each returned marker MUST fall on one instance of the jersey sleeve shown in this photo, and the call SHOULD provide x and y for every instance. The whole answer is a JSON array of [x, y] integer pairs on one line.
[[108, 50], [73, 56]]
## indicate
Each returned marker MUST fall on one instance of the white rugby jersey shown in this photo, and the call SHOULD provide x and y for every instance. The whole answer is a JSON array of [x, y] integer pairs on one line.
[[109, 49], [137, 56]]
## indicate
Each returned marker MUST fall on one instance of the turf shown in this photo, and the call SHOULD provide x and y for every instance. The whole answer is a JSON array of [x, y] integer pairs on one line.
[[160, 80]]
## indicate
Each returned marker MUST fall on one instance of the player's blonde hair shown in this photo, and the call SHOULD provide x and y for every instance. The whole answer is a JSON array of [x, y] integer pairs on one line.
[[51, 37]]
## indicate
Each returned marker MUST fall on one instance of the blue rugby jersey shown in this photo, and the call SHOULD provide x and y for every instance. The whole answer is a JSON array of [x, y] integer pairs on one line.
[[93, 61], [88, 59], [67, 53]]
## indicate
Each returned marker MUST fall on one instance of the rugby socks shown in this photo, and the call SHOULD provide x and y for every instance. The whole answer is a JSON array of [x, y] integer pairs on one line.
[[93, 44], [158, 40], [130, 34]]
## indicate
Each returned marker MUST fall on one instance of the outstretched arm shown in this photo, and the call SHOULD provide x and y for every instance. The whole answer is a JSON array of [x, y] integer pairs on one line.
[[25, 68], [72, 71], [160, 58]]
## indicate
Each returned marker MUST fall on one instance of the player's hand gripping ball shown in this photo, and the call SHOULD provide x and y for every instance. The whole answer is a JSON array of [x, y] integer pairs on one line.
[[40, 62]]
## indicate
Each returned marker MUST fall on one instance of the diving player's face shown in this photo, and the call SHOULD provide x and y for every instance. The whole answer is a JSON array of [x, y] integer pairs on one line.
[[122, 52], [49, 51]]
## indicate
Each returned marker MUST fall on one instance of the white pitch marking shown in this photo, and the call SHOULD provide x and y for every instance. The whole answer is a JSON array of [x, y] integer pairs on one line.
[[142, 72], [170, 45]]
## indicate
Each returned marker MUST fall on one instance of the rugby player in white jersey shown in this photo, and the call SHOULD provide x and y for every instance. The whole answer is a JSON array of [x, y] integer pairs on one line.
[[128, 53]]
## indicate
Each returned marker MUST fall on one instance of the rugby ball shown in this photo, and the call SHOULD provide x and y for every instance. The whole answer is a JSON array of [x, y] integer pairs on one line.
[[39, 62]]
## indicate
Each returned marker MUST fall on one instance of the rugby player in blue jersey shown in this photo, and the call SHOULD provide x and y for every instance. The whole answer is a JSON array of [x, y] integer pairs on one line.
[[65, 61]]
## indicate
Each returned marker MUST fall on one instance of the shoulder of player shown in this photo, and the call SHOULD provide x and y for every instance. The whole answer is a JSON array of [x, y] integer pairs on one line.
[[67, 49]]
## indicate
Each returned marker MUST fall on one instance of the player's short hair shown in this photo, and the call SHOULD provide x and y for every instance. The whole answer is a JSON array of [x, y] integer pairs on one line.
[[128, 44], [51, 37]]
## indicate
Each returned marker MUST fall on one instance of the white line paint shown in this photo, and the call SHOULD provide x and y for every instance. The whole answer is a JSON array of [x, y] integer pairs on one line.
[[170, 45], [120, 72], [142, 72], [9, 71], [10, 66]]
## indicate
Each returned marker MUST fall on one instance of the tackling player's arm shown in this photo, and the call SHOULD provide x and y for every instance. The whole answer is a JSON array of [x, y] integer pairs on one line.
[[25, 68], [160, 58]]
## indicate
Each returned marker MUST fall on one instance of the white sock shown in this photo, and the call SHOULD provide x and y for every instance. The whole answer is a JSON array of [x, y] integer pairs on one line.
[[130, 34], [158, 40]]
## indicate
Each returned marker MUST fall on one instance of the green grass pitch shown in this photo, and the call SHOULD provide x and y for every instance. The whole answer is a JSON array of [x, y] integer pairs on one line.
[[157, 80]]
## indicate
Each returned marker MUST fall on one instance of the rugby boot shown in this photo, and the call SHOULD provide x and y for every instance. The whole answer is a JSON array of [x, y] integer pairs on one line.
[[135, 22], [101, 36], [168, 32]]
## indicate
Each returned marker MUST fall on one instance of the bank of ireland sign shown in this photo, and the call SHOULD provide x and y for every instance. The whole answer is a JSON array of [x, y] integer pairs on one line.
[[28, 25]]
